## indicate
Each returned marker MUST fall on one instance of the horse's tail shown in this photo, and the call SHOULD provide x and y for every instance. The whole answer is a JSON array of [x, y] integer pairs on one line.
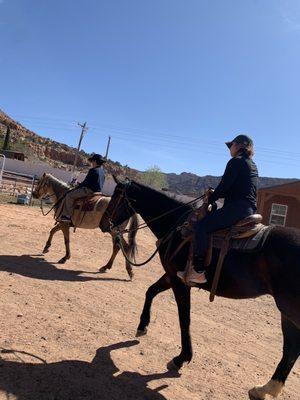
[[131, 236]]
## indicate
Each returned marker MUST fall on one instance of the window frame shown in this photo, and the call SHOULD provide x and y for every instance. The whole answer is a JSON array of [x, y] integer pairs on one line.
[[278, 215]]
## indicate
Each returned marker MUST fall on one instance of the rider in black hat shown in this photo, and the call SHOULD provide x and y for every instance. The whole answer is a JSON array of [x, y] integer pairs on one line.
[[238, 187], [93, 182]]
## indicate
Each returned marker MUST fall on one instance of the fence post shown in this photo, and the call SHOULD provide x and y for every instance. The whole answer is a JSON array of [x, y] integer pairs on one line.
[[31, 190], [14, 189], [2, 168]]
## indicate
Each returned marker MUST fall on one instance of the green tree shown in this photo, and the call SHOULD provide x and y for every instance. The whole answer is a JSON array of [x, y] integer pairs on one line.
[[154, 177]]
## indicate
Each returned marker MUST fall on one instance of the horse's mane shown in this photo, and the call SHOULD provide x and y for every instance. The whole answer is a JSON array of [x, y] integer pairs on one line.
[[57, 181], [164, 199]]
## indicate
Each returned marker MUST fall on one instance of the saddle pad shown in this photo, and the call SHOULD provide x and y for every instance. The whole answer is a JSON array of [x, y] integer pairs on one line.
[[88, 203], [250, 244], [90, 218]]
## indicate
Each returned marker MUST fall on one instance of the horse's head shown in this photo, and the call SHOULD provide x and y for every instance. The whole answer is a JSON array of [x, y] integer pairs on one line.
[[120, 207], [42, 187]]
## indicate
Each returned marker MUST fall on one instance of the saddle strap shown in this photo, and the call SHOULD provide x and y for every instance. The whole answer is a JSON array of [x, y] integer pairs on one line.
[[223, 252], [183, 243], [189, 265], [79, 220]]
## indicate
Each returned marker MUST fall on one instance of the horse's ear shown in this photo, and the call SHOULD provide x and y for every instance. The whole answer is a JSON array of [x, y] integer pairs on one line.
[[116, 179]]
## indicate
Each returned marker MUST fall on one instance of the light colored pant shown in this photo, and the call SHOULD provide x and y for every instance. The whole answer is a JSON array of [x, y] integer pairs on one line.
[[71, 197]]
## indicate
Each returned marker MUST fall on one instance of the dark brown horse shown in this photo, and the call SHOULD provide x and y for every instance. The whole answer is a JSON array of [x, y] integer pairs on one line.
[[48, 185], [275, 270]]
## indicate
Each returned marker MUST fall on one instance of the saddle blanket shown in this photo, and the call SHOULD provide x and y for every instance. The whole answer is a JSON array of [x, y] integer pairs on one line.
[[251, 244], [88, 203], [88, 211]]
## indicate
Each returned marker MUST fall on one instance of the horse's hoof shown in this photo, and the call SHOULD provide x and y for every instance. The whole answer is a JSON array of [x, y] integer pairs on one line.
[[141, 332], [171, 366], [131, 275], [255, 395], [45, 251], [62, 261], [102, 270]]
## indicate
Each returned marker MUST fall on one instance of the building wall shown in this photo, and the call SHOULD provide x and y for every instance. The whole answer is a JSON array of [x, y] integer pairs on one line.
[[266, 200]]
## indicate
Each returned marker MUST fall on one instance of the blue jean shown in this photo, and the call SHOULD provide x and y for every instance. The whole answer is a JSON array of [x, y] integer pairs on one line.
[[222, 218]]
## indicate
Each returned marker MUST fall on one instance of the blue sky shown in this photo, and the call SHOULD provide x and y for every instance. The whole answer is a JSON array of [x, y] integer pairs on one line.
[[169, 80]]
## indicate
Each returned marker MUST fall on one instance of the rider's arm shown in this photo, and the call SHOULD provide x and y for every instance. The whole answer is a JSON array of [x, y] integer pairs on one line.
[[102, 178], [87, 179], [230, 175]]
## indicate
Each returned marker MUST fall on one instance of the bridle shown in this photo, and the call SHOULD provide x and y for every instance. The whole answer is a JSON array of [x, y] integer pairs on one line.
[[40, 188], [122, 195], [143, 225], [41, 185]]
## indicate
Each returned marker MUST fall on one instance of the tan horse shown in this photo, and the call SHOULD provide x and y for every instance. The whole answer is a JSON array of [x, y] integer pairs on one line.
[[48, 185]]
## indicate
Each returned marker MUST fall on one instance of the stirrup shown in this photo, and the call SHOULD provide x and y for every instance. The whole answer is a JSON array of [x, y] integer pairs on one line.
[[192, 277], [65, 219]]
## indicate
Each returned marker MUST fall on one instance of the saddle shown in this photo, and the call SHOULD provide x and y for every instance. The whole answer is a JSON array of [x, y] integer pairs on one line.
[[89, 202], [247, 235], [239, 236], [88, 211]]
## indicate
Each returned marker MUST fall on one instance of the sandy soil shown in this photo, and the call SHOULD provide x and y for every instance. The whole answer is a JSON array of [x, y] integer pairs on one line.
[[69, 334]]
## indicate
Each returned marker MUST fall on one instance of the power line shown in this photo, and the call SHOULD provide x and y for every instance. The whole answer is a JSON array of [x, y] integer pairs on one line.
[[170, 140]]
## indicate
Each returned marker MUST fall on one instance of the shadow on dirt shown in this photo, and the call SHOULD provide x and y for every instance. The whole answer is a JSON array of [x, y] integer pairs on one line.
[[39, 268], [75, 380]]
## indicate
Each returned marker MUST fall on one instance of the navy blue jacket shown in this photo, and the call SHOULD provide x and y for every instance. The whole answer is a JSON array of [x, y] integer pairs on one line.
[[94, 180], [239, 182]]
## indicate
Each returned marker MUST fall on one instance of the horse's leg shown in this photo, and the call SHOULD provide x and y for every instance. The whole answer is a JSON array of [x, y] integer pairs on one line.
[[183, 299], [291, 352], [66, 231], [55, 229], [112, 258], [127, 263], [160, 286], [116, 249]]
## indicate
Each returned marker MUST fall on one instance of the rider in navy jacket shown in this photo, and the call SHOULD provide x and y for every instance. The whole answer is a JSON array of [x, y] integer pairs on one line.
[[238, 187], [93, 182]]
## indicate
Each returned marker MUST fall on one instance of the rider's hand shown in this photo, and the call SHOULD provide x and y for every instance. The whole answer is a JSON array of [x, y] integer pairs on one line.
[[207, 193]]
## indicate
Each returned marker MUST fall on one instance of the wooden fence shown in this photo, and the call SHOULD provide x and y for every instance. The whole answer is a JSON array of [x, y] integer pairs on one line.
[[15, 184]]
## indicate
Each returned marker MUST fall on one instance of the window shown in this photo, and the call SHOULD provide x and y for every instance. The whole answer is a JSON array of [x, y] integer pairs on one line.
[[278, 214]]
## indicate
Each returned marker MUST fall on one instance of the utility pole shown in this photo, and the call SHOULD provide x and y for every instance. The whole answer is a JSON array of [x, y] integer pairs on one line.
[[107, 147], [7, 138], [84, 128]]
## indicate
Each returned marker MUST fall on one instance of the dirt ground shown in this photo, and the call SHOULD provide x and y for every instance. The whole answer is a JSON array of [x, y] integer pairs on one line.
[[69, 334]]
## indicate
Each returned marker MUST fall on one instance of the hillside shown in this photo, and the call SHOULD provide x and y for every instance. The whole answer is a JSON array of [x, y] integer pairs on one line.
[[189, 183], [38, 149]]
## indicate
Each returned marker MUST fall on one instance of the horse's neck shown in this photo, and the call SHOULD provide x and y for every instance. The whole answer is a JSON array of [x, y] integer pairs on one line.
[[163, 224], [58, 189]]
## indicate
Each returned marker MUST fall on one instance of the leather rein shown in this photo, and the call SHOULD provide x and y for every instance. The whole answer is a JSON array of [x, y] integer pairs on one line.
[[144, 224], [42, 185]]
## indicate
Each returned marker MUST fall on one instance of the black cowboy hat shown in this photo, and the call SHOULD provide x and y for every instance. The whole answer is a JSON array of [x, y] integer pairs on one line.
[[98, 159], [240, 139]]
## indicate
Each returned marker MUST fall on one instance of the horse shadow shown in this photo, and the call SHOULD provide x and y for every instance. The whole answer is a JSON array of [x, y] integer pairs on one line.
[[74, 379], [38, 268]]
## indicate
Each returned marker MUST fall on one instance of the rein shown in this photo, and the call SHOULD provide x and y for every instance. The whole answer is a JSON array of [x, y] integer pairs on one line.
[[160, 241], [120, 244], [145, 225], [40, 187], [52, 208]]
